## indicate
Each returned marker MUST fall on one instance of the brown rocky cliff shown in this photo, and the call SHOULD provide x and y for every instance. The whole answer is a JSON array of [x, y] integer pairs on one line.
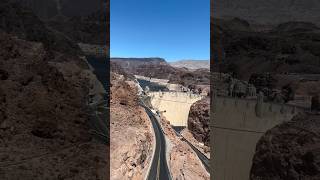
[[199, 121]]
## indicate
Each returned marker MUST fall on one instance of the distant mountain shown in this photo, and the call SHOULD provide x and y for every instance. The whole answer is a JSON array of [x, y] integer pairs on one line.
[[192, 64], [268, 12], [159, 68], [133, 63]]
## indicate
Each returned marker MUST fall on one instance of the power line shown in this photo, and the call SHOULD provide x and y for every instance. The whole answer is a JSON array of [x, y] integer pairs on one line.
[[238, 130], [174, 101]]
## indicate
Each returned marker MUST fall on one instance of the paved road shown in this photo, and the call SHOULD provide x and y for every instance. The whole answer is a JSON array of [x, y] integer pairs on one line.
[[159, 168]]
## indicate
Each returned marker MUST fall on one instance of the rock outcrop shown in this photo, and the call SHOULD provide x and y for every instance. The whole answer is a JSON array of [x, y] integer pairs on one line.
[[289, 150], [199, 121]]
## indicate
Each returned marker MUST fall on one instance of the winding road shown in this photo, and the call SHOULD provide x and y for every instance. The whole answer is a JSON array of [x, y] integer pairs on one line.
[[159, 167]]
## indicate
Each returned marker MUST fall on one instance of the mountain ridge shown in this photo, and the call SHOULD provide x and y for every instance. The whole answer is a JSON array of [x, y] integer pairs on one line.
[[268, 12], [191, 64]]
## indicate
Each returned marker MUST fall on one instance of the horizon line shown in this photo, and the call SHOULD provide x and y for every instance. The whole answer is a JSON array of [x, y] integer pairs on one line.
[[184, 59]]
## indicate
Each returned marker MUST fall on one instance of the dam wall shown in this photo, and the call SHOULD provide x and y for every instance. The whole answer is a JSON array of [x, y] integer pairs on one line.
[[163, 82], [175, 106], [154, 80], [236, 127]]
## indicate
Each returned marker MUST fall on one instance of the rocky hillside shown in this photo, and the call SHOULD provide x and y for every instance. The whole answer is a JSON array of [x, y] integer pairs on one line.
[[199, 121], [44, 93], [89, 29], [159, 68], [81, 21], [132, 138], [43, 115], [21, 22], [290, 47], [289, 150], [191, 64], [268, 12]]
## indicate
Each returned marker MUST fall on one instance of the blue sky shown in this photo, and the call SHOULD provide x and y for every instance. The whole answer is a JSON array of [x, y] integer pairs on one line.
[[170, 29]]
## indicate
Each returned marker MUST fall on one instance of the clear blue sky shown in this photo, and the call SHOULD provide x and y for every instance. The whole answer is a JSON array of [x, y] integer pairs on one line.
[[170, 29]]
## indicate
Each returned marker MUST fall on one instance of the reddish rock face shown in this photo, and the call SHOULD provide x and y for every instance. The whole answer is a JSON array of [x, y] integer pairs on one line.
[[199, 120], [289, 151]]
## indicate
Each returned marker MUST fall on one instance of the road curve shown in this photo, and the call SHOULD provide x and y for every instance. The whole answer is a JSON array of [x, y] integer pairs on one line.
[[159, 167]]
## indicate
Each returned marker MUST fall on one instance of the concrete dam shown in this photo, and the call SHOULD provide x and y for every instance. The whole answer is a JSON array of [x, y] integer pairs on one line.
[[236, 127], [175, 106]]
